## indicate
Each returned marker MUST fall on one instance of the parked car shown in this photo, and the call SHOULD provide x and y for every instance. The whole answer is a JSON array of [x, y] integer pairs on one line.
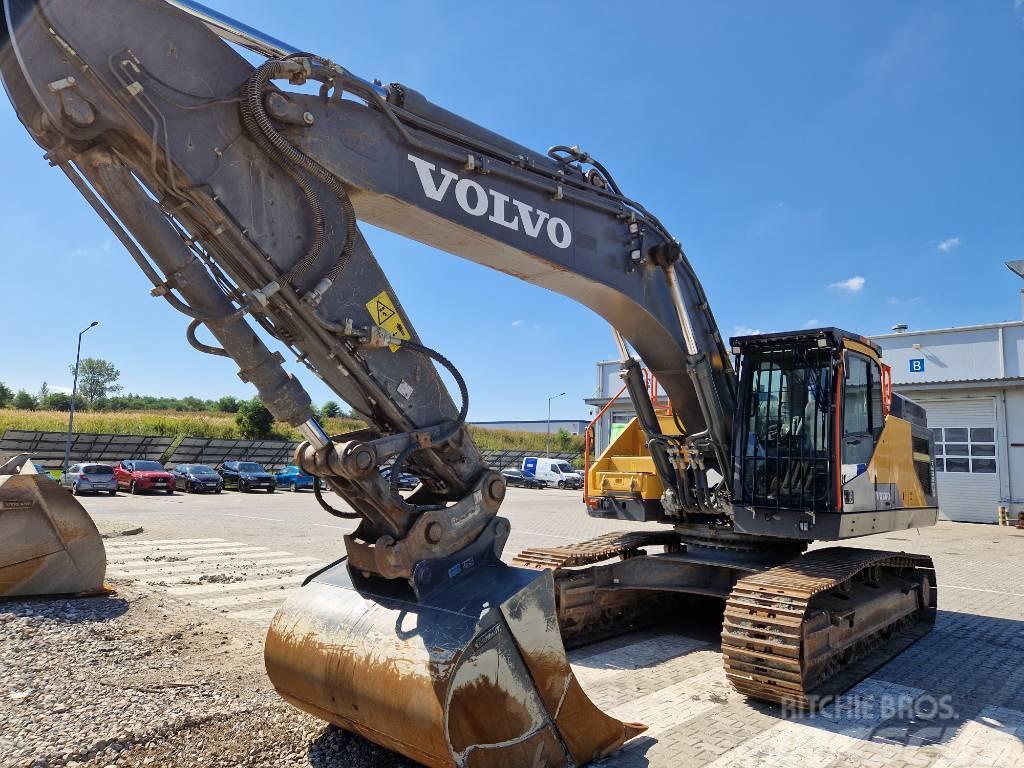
[[406, 482], [521, 479], [89, 478], [555, 472], [138, 476], [247, 476], [197, 478], [294, 479]]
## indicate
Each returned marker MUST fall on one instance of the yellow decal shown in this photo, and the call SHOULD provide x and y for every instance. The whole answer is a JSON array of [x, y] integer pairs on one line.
[[383, 313]]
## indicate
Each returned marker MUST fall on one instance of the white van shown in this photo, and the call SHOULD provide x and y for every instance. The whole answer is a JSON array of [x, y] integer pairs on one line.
[[556, 472]]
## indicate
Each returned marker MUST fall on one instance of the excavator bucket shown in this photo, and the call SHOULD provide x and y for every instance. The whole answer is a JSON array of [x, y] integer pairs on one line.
[[48, 543], [475, 675]]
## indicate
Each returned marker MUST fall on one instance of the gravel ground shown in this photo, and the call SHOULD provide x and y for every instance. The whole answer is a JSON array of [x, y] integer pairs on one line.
[[129, 680]]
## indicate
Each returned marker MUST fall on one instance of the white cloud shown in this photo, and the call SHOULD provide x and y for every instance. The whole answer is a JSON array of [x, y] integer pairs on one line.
[[812, 323], [853, 284], [949, 244], [517, 323], [745, 330]]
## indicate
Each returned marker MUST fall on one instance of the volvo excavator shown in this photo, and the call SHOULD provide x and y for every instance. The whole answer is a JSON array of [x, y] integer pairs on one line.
[[233, 168]]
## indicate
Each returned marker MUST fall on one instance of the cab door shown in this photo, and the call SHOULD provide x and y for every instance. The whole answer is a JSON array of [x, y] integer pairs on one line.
[[862, 424]]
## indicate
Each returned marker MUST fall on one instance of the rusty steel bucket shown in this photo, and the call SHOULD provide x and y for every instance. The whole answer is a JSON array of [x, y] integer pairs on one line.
[[474, 675], [48, 543]]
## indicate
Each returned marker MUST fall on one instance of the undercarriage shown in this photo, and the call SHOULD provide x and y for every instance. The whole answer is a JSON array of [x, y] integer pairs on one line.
[[796, 625]]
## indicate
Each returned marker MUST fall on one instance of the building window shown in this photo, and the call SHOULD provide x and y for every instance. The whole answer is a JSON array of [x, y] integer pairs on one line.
[[965, 449]]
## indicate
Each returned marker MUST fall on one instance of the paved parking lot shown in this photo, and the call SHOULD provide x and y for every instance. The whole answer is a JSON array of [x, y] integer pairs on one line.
[[956, 698]]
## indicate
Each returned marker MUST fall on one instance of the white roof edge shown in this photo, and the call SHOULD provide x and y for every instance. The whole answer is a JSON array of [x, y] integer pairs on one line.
[[952, 329]]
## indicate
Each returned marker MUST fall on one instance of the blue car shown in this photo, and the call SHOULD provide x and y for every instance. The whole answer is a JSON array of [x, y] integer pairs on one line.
[[294, 479]]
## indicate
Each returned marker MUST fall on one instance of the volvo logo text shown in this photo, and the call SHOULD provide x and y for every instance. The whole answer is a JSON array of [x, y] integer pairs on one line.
[[477, 200]]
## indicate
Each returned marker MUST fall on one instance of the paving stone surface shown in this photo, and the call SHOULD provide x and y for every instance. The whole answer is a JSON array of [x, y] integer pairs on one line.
[[952, 700]]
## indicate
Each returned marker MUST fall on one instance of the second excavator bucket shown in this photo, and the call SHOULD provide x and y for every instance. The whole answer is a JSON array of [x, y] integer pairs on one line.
[[48, 543], [475, 675]]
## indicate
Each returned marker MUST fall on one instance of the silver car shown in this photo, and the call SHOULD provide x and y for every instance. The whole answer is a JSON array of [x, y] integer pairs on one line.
[[90, 478]]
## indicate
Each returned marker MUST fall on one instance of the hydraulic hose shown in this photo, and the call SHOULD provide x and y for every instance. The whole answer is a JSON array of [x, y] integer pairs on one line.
[[323, 503], [460, 419], [258, 124]]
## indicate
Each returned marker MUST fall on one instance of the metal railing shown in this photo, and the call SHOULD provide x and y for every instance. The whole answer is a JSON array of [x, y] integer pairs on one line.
[[47, 448]]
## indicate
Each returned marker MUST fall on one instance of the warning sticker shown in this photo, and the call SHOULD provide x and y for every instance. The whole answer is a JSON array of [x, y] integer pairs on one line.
[[383, 313]]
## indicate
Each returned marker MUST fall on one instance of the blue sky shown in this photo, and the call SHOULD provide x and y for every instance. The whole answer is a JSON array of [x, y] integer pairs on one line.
[[851, 164]]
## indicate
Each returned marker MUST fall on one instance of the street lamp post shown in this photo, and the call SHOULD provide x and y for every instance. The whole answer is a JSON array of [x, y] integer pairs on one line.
[[74, 395], [547, 443], [1017, 267]]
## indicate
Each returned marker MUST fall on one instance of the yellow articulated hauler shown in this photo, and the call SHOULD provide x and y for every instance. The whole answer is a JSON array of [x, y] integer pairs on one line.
[[623, 480]]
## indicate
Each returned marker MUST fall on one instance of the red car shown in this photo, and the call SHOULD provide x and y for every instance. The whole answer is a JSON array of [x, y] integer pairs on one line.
[[137, 476]]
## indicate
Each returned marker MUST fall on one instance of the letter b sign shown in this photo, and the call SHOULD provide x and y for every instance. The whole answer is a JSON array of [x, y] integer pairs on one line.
[[917, 365]]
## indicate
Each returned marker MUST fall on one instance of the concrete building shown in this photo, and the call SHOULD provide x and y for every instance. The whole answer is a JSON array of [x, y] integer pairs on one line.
[[572, 426], [609, 384], [971, 381]]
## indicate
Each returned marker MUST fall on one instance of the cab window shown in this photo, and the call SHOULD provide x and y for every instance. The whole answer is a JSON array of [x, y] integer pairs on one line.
[[862, 409]]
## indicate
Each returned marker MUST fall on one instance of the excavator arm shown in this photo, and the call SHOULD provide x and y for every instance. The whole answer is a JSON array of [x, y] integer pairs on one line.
[[237, 188], [238, 194]]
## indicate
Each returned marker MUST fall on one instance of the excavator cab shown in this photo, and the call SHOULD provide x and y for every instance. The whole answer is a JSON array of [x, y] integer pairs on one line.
[[239, 198], [822, 447]]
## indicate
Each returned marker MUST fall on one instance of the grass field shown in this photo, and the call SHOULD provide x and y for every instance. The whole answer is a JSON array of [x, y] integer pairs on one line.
[[214, 424]]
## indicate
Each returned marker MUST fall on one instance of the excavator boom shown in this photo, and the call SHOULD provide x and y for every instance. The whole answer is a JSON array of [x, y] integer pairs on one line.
[[237, 191]]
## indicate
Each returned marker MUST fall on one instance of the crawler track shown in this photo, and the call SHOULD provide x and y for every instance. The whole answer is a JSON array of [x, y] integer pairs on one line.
[[823, 621], [618, 544]]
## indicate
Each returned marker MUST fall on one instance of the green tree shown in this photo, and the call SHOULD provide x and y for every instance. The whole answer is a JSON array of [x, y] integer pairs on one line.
[[331, 410], [254, 421], [563, 441], [6, 395], [228, 404], [24, 401], [44, 392], [96, 379], [60, 401], [193, 404]]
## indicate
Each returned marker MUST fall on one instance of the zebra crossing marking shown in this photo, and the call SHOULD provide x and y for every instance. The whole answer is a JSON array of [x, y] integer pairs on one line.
[[190, 578], [149, 542], [277, 573], [172, 568], [198, 589], [278, 594], [219, 552], [197, 548], [204, 558], [258, 615]]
